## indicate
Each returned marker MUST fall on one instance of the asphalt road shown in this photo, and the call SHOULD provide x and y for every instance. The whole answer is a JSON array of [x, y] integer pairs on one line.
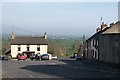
[[64, 68]]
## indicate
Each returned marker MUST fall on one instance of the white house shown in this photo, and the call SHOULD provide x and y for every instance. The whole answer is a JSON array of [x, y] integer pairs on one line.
[[28, 45]]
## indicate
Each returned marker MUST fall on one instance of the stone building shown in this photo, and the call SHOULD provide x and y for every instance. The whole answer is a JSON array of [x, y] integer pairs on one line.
[[104, 44]]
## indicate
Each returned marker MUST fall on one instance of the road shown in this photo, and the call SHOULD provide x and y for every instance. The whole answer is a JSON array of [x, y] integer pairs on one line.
[[62, 68]]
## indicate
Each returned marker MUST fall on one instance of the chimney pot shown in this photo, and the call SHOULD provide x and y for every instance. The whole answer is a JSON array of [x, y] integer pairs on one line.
[[103, 26], [45, 35], [111, 24], [13, 36]]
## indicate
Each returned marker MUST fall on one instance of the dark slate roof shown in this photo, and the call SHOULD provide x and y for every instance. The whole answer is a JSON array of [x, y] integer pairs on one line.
[[29, 41], [96, 35]]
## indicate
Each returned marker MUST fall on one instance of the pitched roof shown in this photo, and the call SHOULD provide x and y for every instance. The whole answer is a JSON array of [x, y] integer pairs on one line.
[[96, 35], [113, 29], [29, 41]]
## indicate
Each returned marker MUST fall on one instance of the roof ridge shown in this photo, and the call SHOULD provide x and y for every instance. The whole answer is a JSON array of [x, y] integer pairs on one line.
[[29, 40]]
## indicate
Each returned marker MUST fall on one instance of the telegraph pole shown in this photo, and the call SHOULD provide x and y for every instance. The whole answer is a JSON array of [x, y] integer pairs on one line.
[[83, 46], [101, 20]]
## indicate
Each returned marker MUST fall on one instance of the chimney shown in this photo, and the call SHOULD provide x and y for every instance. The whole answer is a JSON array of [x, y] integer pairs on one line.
[[103, 26], [13, 36], [98, 29], [111, 24], [45, 35]]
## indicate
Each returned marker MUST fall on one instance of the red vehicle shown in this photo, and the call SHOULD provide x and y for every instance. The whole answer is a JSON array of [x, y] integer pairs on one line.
[[21, 57]]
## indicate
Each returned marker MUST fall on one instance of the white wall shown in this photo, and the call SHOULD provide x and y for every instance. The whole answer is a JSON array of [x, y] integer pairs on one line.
[[91, 48], [33, 48], [14, 49], [43, 49]]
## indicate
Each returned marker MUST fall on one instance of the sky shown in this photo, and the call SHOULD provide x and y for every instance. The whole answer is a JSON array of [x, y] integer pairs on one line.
[[119, 11], [57, 18]]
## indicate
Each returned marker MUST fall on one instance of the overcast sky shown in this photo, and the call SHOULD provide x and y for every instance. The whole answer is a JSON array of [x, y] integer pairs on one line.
[[57, 18]]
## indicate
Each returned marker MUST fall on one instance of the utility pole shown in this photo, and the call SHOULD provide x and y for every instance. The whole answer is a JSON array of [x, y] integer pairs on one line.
[[83, 46], [101, 20]]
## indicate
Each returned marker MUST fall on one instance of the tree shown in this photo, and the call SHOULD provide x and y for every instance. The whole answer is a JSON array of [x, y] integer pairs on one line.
[[76, 45], [3, 50], [56, 48]]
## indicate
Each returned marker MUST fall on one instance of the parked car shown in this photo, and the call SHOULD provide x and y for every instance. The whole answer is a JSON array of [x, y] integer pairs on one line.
[[37, 56], [74, 56], [78, 58], [50, 56], [32, 56], [54, 57], [4, 57], [21, 57], [45, 57]]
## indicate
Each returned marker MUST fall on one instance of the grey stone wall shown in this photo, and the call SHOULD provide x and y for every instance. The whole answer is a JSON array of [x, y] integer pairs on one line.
[[119, 49], [109, 48]]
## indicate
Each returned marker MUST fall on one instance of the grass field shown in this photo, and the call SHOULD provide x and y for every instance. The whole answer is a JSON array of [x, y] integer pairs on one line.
[[4, 43], [67, 43]]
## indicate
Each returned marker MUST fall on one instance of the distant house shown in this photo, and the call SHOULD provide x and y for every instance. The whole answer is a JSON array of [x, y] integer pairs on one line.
[[28, 45], [104, 44]]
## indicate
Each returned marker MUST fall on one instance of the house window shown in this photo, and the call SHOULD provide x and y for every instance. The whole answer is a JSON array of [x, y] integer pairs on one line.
[[92, 42], [38, 47], [19, 48], [28, 48], [95, 55]]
